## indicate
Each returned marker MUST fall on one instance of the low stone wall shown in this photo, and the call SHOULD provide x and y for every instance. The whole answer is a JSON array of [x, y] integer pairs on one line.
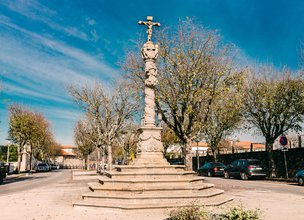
[[294, 157], [72, 163]]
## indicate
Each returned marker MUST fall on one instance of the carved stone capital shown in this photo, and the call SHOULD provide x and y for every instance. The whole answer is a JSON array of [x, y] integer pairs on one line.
[[149, 51]]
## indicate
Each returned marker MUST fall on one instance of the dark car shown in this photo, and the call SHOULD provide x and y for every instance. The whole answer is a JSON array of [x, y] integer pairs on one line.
[[300, 177], [3, 171], [212, 169], [244, 169]]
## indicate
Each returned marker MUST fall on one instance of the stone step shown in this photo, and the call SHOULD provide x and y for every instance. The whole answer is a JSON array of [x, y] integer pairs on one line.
[[164, 197], [151, 168], [150, 174], [138, 182], [104, 179], [127, 188], [210, 201]]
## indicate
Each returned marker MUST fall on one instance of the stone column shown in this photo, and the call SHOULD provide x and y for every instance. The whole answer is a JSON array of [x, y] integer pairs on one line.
[[150, 147], [149, 54]]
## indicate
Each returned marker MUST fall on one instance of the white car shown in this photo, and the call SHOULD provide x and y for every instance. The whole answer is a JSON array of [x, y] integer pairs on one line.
[[54, 166], [43, 167]]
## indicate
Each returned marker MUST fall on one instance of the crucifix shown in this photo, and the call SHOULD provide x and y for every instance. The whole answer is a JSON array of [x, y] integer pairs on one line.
[[149, 25]]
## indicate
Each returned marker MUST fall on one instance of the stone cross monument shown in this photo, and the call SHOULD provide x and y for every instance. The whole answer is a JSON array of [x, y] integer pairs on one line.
[[150, 146]]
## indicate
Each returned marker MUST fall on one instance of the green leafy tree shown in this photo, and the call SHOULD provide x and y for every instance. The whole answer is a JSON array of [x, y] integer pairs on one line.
[[274, 102], [20, 124], [39, 136], [30, 128], [13, 156], [169, 138]]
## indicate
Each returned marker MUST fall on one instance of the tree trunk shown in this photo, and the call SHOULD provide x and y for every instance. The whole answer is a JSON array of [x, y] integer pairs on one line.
[[187, 153], [103, 160], [86, 162], [31, 154], [271, 163], [98, 160], [110, 158], [214, 154], [19, 157]]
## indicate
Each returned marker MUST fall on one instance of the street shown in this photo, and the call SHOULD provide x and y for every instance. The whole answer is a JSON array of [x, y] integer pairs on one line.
[[237, 185], [276, 200], [50, 196], [33, 181]]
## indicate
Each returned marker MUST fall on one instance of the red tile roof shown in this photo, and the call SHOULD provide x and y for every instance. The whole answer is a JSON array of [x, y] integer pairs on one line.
[[65, 153], [68, 147]]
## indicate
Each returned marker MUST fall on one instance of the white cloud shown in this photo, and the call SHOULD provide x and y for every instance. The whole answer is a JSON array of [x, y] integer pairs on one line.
[[38, 12], [90, 21], [37, 69]]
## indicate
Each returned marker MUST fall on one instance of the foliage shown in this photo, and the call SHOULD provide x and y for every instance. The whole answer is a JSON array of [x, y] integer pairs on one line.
[[240, 213], [274, 102], [169, 138], [128, 142], [108, 112], [195, 212], [13, 155], [31, 128], [193, 66]]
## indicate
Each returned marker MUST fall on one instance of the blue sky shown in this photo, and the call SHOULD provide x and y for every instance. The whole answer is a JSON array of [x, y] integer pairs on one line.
[[49, 44]]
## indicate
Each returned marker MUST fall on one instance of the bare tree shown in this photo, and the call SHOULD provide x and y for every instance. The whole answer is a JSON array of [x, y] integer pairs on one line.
[[225, 116], [293, 138], [84, 136], [274, 101], [107, 112], [193, 63]]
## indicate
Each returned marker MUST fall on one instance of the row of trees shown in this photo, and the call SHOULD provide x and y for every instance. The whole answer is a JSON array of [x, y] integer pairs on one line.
[[27, 128], [203, 93]]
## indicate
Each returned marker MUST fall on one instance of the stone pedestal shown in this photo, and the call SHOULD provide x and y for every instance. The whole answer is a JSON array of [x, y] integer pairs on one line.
[[150, 147]]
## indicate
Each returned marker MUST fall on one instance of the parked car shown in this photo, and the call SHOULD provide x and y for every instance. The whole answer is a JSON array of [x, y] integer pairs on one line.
[[54, 166], [212, 169], [244, 169], [43, 167], [300, 177]]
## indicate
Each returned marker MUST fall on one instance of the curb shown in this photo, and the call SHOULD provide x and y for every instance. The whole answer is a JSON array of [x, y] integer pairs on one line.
[[281, 180]]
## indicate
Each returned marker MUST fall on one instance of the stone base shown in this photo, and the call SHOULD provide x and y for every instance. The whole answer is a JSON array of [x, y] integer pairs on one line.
[[150, 140], [150, 158]]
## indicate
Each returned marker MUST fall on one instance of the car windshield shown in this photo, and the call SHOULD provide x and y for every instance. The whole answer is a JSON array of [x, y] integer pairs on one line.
[[254, 162], [218, 164], [42, 164]]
